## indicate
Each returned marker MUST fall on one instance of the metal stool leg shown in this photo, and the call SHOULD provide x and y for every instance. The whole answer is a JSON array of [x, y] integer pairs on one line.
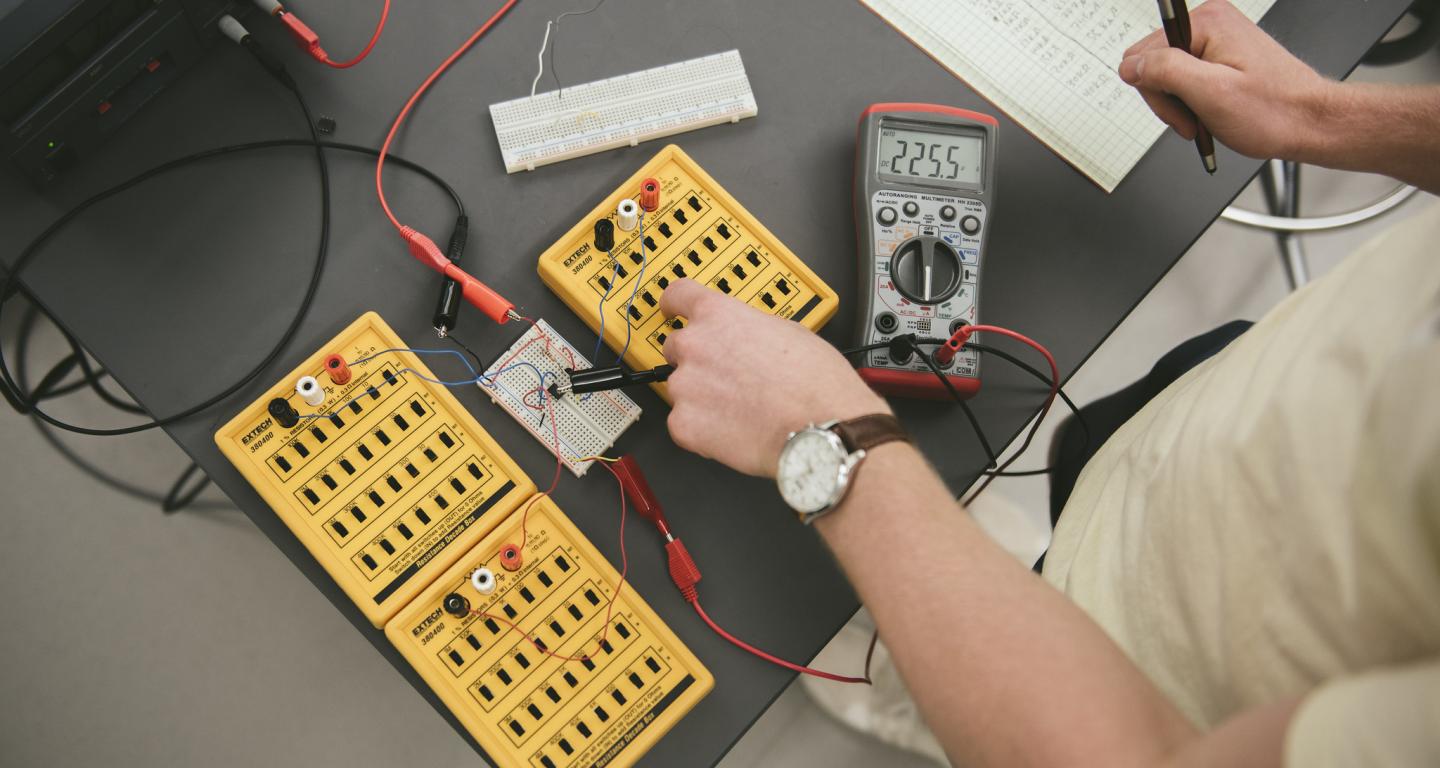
[[1281, 182]]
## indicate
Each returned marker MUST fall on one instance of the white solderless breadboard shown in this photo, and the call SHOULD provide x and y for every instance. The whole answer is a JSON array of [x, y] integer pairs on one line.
[[585, 425], [622, 111]]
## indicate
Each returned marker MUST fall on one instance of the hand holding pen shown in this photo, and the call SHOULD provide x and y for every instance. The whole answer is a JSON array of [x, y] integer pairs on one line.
[[1175, 18], [1251, 94]]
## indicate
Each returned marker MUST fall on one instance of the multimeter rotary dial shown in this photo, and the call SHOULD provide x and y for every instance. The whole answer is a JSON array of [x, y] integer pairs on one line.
[[925, 270]]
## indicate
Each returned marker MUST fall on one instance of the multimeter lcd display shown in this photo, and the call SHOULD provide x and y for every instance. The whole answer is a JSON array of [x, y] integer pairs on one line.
[[930, 157]]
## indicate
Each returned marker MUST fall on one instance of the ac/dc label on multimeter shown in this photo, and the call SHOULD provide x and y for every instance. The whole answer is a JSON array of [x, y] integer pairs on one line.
[[387, 481]]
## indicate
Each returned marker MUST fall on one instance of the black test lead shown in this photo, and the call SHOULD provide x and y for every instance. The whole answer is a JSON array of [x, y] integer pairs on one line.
[[605, 379], [447, 310]]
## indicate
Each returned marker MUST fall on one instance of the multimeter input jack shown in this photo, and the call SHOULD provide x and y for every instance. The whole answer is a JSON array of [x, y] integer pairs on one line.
[[902, 349]]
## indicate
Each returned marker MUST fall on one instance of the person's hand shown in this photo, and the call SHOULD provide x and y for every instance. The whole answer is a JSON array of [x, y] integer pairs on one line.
[[743, 379], [1249, 91]]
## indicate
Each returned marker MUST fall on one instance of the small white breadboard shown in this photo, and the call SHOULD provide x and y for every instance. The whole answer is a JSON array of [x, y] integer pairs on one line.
[[622, 111], [584, 425]]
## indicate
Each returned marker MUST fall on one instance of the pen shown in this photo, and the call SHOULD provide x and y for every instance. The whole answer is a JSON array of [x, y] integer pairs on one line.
[[1175, 17]]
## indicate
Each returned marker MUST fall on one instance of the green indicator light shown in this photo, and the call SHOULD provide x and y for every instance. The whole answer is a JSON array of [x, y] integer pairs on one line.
[[51, 145]]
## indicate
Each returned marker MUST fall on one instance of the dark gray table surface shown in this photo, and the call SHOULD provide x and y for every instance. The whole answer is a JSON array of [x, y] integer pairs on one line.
[[181, 286]]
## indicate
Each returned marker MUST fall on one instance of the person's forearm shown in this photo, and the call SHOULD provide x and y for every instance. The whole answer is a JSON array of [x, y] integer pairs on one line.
[[1006, 670], [1389, 129]]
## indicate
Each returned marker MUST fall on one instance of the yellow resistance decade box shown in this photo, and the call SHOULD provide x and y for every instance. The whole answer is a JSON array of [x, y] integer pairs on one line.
[[388, 480], [613, 681], [697, 231]]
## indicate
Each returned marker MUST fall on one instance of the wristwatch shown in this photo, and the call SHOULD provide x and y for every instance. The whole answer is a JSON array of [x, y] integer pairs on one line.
[[819, 461]]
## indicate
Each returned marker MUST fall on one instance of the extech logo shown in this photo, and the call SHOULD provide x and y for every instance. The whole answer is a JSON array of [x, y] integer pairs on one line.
[[423, 625], [581, 251], [256, 432]]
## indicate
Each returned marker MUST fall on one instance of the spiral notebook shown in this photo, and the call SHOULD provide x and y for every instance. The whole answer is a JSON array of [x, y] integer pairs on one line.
[[1050, 65]]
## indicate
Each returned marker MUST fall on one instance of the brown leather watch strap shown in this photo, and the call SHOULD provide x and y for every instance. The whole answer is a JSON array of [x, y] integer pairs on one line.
[[866, 432]]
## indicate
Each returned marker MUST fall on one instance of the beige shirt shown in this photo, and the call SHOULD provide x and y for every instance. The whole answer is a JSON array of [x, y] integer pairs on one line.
[[1269, 525]]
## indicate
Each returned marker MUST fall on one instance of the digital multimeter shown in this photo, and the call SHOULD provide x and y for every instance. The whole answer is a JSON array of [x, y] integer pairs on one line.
[[924, 196]]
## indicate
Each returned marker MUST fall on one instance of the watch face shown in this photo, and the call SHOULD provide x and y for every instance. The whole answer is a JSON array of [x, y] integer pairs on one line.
[[810, 469]]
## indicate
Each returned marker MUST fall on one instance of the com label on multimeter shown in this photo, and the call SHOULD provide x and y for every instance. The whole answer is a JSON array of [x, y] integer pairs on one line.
[[924, 192]]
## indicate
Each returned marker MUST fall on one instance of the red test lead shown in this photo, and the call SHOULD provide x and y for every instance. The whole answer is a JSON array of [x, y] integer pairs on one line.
[[686, 574], [683, 570], [484, 298], [641, 497], [306, 37], [957, 341], [309, 41]]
